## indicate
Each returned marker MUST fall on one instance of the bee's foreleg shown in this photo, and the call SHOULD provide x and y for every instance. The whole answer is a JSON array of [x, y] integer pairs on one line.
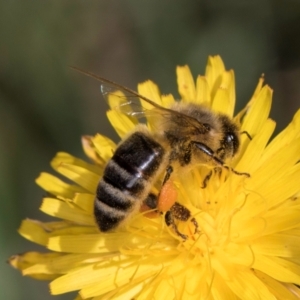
[[208, 151], [206, 179]]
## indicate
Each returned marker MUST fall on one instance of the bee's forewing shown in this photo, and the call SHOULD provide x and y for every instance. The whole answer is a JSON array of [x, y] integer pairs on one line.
[[127, 101]]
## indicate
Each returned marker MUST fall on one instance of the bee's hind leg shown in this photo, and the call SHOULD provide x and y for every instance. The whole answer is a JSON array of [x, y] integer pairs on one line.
[[151, 201], [169, 219], [181, 213], [149, 206]]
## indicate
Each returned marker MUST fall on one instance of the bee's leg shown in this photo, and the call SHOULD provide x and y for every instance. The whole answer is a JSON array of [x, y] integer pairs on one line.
[[169, 219], [217, 170], [217, 160], [206, 179], [169, 171], [151, 201], [181, 213], [237, 172], [149, 206]]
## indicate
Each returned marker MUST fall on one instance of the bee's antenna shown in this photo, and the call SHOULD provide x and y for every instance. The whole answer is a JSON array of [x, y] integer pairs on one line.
[[247, 134]]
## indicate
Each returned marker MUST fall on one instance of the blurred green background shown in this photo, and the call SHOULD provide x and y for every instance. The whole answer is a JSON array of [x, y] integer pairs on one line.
[[45, 107]]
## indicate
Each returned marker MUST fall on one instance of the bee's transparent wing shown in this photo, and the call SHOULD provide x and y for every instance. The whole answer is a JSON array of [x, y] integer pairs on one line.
[[135, 106], [124, 101], [132, 104]]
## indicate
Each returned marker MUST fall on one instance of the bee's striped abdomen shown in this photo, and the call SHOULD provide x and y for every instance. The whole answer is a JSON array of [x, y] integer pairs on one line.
[[126, 179]]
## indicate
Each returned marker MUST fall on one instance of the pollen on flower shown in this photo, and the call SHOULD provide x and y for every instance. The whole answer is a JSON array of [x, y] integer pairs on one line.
[[228, 236]]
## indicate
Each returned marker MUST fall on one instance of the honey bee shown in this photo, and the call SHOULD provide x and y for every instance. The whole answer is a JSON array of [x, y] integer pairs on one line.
[[184, 135]]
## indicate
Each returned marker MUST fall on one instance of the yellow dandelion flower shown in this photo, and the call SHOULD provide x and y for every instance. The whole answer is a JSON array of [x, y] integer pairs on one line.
[[248, 237]]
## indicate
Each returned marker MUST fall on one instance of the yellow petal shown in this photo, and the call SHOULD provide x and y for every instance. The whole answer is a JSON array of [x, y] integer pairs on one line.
[[85, 202], [115, 99], [278, 268], [239, 254], [291, 132], [247, 286], [149, 90], [130, 291], [104, 146], [185, 82], [62, 157], [279, 244], [136, 284], [241, 114], [258, 112], [67, 211], [90, 151], [110, 275], [78, 297], [256, 115], [279, 290], [220, 290], [57, 187], [195, 283], [121, 123], [28, 259], [85, 243], [273, 221], [278, 194], [59, 263], [278, 164], [250, 159], [258, 87], [25, 262], [202, 91], [289, 218], [34, 231], [224, 98], [73, 229], [167, 100], [293, 289], [270, 195], [214, 69], [83, 177]]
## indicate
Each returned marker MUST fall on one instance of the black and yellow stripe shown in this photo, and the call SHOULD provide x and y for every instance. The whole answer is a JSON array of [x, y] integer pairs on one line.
[[126, 179]]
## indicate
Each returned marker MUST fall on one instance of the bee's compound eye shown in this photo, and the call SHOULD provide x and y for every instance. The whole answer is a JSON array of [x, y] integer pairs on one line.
[[231, 142], [230, 138]]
